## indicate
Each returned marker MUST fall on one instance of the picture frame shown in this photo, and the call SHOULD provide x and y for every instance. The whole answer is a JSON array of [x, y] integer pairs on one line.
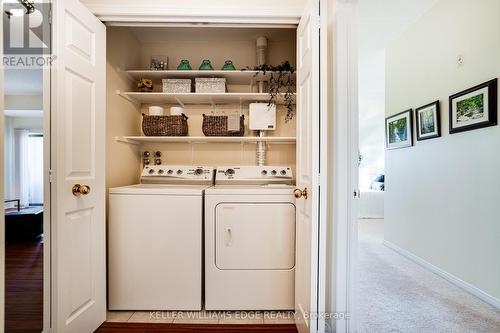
[[399, 130], [474, 108], [428, 121]]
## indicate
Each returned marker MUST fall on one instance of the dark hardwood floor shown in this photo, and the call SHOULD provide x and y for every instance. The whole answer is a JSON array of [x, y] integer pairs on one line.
[[180, 328], [24, 287]]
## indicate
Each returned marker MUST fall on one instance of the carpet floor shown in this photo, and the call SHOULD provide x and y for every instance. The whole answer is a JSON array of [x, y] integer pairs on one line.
[[397, 295]]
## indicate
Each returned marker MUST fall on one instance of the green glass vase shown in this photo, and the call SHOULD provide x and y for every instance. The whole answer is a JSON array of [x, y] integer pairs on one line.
[[206, 66], [184, 66], [228, 66]]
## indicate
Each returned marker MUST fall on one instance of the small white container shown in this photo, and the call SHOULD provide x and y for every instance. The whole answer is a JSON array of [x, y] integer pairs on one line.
[[176, 111], [156, 111]]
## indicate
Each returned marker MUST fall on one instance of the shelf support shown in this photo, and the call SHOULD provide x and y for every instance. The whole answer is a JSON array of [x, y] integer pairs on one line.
[[119, 70], [124, 140], [128, 98], [179, 101]]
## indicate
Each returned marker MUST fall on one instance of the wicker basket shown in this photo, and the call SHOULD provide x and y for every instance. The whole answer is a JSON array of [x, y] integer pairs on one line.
[[217, 126], [165, 125]]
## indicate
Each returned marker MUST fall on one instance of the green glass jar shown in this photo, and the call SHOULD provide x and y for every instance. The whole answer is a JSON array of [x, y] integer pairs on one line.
[[206, 66], [228, 66], [184, 66]]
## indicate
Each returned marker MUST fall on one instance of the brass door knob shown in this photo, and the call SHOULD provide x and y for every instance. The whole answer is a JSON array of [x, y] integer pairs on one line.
[[80, 190], [300, 193]]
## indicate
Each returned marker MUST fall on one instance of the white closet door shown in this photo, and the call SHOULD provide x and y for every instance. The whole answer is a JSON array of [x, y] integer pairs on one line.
[[307, 192], [77, 157]]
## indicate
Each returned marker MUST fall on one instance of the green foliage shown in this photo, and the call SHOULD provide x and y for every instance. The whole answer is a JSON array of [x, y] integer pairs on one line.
[[470, 106], [280, 81]]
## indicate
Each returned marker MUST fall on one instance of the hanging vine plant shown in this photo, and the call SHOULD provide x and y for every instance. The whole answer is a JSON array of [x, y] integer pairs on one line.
[[280, 82]]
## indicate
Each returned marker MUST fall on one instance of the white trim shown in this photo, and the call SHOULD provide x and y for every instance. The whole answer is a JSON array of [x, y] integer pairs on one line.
[[163, 13], [345, 99], [473, 290], [2, 193], [323, 166]]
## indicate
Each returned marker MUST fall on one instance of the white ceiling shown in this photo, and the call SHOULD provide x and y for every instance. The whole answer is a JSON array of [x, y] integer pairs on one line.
[[381, 21], [23, 82]]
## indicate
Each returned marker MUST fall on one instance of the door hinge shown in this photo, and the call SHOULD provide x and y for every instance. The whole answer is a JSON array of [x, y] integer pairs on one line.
[[356, 194], [50, 176], [50, 16]]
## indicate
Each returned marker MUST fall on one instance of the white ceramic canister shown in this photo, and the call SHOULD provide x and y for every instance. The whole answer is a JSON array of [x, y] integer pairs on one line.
[[176, 111], [155, 111]]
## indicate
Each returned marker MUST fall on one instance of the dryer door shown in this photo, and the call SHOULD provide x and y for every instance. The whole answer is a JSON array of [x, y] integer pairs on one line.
[[256, 236]]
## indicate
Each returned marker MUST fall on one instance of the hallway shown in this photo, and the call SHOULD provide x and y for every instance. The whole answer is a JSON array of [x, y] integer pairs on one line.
[[397, 295]]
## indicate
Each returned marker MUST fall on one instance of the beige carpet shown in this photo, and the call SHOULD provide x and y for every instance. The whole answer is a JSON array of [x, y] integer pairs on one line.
[[397, 295]]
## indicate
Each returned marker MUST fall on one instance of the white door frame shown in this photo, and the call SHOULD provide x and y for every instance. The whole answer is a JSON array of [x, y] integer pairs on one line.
[[345, 156], [2, 192]]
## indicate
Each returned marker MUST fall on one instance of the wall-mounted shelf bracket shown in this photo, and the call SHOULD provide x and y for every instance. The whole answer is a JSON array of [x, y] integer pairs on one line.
[[128, 98]]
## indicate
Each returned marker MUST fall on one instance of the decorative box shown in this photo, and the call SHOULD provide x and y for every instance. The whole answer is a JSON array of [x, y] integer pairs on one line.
[[210, 85], [176, 85]]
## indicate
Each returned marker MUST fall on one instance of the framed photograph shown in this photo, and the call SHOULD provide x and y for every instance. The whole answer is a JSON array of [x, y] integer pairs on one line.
[[474, 108], [428, 121], [398, 130]]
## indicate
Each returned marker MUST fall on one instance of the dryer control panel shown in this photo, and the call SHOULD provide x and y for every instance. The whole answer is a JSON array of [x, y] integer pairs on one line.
[[254, 175], [177, 174]]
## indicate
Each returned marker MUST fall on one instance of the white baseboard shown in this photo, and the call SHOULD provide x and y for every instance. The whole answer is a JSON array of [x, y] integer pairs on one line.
[[494, 302]]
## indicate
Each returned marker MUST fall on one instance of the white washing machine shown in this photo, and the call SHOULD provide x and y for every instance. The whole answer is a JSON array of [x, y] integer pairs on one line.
[[250, 239], [155, 240]]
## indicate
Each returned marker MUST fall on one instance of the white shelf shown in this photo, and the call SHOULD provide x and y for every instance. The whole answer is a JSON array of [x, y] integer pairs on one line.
[[205, 139], [197, 98], [232, 77]]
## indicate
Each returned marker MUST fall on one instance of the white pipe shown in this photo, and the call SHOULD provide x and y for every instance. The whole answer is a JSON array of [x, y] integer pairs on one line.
[[261, 151]]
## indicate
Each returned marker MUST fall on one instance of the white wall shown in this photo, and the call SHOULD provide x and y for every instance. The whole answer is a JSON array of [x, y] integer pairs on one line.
[[442, 194]]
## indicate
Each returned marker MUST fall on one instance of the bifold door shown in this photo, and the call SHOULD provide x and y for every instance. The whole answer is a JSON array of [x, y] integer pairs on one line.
[[78, 79]]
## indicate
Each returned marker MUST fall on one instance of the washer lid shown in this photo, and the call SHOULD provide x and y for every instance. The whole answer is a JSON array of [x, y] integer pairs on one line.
[[170, 189], [269, 189]]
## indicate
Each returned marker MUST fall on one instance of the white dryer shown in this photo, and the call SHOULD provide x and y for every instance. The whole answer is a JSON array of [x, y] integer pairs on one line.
[[250, 239], [155, 240]]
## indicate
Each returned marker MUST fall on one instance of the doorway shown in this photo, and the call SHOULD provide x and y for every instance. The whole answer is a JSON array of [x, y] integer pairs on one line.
[[23, 199], [420, 251]]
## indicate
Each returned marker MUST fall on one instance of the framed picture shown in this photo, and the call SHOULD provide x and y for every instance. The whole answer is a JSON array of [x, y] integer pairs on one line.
[[428, 121], [398, 130], [474, 108]]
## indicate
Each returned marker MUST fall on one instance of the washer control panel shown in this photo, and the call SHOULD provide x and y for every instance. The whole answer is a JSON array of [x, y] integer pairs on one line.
[[254, 175], [170, 174]]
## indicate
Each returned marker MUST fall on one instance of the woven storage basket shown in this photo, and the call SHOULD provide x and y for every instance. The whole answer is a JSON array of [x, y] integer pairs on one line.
[[165, 125], [217, 126]]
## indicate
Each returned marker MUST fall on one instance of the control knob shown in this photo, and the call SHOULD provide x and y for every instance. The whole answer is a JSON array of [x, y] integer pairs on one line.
[[179, 172], [151, 171], [229, 172], [283, 172], [274, 172], [198, 171]]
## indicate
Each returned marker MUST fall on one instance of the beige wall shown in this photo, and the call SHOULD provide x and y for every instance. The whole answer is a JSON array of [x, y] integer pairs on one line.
[[442, 194], [122, 160], [23, 102], [194, 44]]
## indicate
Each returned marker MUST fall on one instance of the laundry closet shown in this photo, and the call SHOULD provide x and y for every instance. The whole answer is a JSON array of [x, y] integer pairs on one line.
[[176, 241], [129, 52]]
